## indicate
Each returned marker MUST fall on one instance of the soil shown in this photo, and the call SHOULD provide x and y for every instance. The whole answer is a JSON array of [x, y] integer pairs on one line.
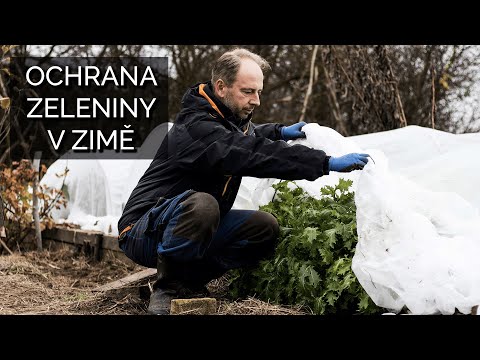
[[61, 282]]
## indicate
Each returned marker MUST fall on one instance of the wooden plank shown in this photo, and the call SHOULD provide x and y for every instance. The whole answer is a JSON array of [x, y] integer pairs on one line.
[[127, 280], [58, 234], [76, 236], [73, 236], [98, 247], [107, 254], [110, 243], [82, 236]]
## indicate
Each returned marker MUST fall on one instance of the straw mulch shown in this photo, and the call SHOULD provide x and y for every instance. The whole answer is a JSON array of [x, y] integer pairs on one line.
[[62, 283]]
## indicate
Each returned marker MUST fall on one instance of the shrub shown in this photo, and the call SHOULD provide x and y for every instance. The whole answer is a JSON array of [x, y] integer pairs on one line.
[[16, 183]]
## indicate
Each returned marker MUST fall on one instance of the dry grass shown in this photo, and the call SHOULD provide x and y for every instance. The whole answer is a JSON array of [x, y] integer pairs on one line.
[[252, 306], [62, 283]]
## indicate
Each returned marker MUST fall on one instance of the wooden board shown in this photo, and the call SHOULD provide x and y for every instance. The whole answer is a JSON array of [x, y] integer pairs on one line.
[[127, 280]]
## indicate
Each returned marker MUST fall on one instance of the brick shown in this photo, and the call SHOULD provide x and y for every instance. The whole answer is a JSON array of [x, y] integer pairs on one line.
[[197, 306]]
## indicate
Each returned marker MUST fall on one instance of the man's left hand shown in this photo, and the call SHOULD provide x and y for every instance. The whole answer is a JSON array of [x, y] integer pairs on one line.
[[293, 131]]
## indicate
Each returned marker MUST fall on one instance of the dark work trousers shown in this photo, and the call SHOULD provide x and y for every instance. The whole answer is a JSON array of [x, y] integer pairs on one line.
[[188, 231]]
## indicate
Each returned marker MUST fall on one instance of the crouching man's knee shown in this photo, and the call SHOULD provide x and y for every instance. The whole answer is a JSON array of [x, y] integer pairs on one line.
[[265, 231], [271, 227], [199, 219]]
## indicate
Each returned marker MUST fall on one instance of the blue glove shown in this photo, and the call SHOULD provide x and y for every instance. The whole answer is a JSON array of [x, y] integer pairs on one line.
[[293, 131], [349, 162]]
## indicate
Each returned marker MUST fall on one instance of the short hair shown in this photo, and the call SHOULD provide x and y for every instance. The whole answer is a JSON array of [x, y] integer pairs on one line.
[[227, 65]]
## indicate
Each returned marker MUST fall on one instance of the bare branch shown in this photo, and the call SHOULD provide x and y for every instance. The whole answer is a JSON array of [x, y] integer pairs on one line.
[[332, 98], [310, 83], [36, 217]]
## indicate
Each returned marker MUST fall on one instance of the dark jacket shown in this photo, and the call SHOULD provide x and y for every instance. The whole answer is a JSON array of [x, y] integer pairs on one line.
[[208, 149]]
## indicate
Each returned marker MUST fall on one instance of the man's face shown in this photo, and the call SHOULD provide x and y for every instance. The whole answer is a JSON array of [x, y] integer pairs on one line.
[[244, 94]]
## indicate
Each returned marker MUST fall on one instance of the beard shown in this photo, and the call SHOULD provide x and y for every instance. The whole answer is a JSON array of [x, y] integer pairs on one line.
[[236, 110]]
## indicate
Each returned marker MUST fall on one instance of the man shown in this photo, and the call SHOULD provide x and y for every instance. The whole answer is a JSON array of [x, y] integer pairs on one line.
[[179, 217]]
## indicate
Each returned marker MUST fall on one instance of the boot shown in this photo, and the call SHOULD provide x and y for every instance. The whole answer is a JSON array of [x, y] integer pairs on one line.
[[162, 293], [160, 301], [167, 287]]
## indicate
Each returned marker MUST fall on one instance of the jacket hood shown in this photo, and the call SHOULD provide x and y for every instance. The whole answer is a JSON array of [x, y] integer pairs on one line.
[[200, 97]]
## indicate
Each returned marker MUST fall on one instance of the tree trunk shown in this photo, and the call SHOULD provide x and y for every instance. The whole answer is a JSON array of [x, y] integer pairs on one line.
[[333, 101], [310, 83], [36, 217]]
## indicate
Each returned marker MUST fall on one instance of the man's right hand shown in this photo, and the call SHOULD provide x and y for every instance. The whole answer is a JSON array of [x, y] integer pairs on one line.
[[349, 162]]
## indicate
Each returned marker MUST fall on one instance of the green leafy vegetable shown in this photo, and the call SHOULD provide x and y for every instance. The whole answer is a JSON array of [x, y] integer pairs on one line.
[[312, 264]]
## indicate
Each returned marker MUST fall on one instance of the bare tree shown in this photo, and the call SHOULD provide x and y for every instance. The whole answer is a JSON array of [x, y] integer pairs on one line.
[[454, 70]]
